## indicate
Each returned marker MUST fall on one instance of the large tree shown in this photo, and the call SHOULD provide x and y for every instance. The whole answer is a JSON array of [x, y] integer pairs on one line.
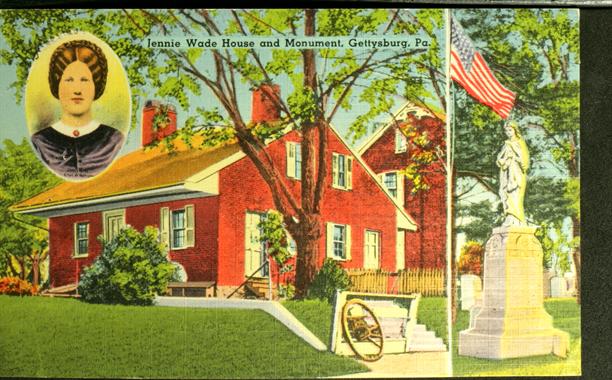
[[23, 239], [535, 53], [323, 81]]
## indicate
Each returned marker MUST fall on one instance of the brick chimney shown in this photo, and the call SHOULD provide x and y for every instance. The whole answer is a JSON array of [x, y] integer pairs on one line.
[[263, 107], [164, 128]]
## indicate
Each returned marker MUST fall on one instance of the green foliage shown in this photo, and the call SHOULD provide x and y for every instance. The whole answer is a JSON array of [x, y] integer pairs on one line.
[[471, 259], [330, 278], [557, 247], [131, 270], [22, 176], [274, 235], [477, 219]]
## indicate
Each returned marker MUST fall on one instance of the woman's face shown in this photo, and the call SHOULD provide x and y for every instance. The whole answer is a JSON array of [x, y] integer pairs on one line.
[[509, 131], [76, 89]]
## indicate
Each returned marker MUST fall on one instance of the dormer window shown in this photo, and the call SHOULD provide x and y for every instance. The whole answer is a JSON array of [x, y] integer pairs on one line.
[[401, 144]]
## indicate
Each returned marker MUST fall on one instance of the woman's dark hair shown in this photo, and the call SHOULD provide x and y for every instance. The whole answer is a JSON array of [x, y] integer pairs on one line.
[[78, 50]]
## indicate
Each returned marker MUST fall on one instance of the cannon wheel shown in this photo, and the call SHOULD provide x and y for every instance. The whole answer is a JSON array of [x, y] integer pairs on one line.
[[358, 330]]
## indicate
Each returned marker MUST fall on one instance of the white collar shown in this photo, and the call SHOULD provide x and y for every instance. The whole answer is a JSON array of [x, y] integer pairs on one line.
[[80, 131]]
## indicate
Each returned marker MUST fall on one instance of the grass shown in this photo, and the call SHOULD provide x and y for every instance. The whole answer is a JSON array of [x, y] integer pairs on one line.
[[316, 315], [432, 313], [566, 316], [50, 337]]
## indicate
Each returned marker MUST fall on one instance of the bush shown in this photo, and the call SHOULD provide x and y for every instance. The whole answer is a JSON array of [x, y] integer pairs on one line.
[[470, 259], [131, 270], [14, 286], [329, 278]]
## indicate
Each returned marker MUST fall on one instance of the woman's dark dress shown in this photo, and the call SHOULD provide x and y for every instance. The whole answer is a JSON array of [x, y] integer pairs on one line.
[[78, 157]]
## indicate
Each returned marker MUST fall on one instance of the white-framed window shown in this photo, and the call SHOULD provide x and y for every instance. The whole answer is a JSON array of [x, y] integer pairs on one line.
[[294, 160], [401, 144], [114, 221], [291, 244], [177, 227], [342, 171], [81, 239], [393, 182], [390, 182], [339, 241]]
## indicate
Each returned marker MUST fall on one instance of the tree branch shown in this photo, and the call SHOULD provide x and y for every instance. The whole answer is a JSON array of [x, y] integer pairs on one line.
[[478, 177]]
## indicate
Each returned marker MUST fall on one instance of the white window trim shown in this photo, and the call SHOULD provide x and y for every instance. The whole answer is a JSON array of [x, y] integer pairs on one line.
[[292, 168], [164, 227], [330, 241], [400, 148], [378, 244], [348, 171], [187, 244], [106, 214], [75, 247], [399, 183]]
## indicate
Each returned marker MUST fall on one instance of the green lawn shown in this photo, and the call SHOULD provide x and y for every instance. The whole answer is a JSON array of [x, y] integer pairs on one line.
[[432, 313], [51, 337], [566, 316]]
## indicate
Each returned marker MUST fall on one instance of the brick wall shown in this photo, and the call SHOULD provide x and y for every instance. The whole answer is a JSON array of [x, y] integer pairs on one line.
[[425, 248]]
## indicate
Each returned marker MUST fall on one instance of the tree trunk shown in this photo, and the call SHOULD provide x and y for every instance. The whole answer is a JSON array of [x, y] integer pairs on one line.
[[35, 269], [307, 241], [309, 226], [576, 256]]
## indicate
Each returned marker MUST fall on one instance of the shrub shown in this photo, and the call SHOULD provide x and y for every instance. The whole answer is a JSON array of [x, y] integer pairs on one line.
[[14, 286], [132, 268], [329, 278], [470, 259]]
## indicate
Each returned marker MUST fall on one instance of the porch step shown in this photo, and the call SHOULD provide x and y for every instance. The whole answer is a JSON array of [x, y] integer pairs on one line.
[[69, 290], [258, 287], [425, 340]]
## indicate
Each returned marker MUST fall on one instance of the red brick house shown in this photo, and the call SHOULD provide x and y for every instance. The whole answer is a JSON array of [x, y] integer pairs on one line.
[[387, 151], [207, 204]]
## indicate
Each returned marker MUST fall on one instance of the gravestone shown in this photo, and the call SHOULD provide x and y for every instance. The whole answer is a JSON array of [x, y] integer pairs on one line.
[[512, 321], [471, 290], [558, 287]]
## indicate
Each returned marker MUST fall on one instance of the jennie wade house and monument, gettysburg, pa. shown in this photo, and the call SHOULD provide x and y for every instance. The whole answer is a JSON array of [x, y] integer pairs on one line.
[[289, 193]]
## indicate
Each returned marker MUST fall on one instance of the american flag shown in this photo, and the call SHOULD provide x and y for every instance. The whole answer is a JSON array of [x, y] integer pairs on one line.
[[469, 69]]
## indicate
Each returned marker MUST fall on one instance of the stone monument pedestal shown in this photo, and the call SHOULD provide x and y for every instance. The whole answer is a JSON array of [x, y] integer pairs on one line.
[[512, 321]]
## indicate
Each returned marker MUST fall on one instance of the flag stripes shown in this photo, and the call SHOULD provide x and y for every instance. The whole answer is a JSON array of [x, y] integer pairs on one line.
[[470, 70]]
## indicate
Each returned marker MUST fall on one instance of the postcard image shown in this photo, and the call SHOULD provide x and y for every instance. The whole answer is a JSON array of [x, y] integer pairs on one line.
[[265, 193]]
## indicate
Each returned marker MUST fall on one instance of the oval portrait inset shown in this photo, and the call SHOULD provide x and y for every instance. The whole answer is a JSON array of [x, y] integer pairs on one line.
[[78, 106]]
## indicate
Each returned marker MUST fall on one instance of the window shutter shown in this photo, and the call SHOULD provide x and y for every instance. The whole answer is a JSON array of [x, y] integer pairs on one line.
[[75, 246], [298, 160], [348, 242], [189, 226], [349, 172], [164, 226], [290, 159], [399, 250], [334, 169], [400, 187], [330, 240]]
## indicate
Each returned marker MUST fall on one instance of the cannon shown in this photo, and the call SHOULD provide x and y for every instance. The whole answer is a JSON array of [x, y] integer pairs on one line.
[[369, 325]]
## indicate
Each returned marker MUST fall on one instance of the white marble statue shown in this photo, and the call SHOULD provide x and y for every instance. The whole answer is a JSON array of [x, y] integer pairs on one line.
[[513, 162]]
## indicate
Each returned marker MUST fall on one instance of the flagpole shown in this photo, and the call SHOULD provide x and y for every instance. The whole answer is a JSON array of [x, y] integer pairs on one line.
[[449, 184]]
